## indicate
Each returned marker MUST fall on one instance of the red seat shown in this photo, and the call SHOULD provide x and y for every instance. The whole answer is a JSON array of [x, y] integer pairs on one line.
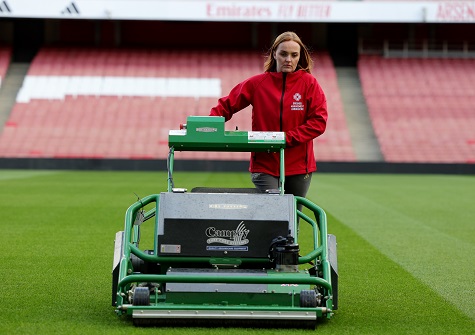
[[92, 124], [423, 110]]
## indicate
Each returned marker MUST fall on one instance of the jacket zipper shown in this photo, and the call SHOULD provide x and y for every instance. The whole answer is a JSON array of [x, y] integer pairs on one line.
[[284, 76]]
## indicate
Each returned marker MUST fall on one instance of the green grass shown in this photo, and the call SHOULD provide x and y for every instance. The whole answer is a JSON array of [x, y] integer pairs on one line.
[[405, 250]]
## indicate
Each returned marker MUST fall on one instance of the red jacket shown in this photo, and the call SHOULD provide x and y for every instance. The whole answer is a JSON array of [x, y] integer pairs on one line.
[[299, 109]]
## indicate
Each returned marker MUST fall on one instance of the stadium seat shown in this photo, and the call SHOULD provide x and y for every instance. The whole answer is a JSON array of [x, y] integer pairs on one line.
[[421, 109], [120, 103]]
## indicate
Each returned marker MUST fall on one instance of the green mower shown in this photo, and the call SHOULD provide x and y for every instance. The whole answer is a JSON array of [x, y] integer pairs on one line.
[[224, 256]]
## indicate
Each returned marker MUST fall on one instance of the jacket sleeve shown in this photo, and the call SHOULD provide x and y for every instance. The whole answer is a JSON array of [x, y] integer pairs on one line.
[[315, 120], [238, 99]]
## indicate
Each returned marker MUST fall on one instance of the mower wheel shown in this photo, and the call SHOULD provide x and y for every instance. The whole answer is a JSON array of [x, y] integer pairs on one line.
[[141, 296], [141, 266], [308, 298]]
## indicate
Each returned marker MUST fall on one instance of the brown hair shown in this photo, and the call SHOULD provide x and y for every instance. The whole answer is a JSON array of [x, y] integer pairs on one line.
[[305, 62]]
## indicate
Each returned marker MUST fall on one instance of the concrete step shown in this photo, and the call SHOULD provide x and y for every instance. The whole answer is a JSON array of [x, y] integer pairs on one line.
[[11, 84], [362, 134]]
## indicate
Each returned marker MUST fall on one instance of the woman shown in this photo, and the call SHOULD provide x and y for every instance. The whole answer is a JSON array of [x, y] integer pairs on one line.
[[288, 98]]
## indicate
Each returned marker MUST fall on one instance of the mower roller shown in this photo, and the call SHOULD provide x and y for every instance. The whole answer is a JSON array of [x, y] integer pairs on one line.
[[224, 256]]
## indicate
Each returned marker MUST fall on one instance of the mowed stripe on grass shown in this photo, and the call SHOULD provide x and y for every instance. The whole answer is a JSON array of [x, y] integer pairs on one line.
[[424, 223], [378, 296], [57, 246]]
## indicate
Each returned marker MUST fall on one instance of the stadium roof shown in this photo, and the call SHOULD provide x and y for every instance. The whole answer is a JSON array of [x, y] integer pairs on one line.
[[403, 11]]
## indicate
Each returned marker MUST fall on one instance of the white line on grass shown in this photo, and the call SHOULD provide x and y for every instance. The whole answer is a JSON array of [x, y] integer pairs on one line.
[[20, 174]]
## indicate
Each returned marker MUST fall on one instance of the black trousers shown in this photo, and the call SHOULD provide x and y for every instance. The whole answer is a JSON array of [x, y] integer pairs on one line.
[[296, 184]]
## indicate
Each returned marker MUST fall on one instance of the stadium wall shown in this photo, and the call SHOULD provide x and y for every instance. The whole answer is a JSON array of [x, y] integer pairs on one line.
[[227, 166]]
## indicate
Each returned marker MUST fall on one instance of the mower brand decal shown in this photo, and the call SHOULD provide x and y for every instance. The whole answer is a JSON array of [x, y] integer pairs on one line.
[[289, 285], [226, 248], [227, 206], [207, 130], [237, 237]]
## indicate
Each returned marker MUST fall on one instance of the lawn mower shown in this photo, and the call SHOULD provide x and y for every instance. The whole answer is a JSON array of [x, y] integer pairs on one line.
[[224, 256]]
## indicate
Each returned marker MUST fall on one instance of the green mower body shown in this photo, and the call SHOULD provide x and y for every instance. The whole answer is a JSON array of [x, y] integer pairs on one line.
[[224, 256]]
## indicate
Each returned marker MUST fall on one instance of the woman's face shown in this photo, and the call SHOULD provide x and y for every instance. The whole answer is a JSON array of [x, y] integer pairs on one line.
[[287, 56]]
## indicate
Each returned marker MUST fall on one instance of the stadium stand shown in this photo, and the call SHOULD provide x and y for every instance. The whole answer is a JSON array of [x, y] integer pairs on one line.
[[422, 110], [335, 144], [111, 103]]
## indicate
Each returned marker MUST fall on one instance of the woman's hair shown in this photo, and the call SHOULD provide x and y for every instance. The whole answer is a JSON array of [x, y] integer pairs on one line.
[[305, 62]]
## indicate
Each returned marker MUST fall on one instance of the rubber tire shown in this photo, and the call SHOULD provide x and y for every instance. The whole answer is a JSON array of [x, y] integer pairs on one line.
[[141, 296], [308, 298]]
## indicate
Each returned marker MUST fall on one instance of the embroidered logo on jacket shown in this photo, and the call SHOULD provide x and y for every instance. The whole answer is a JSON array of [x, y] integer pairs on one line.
[[297, 105]]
